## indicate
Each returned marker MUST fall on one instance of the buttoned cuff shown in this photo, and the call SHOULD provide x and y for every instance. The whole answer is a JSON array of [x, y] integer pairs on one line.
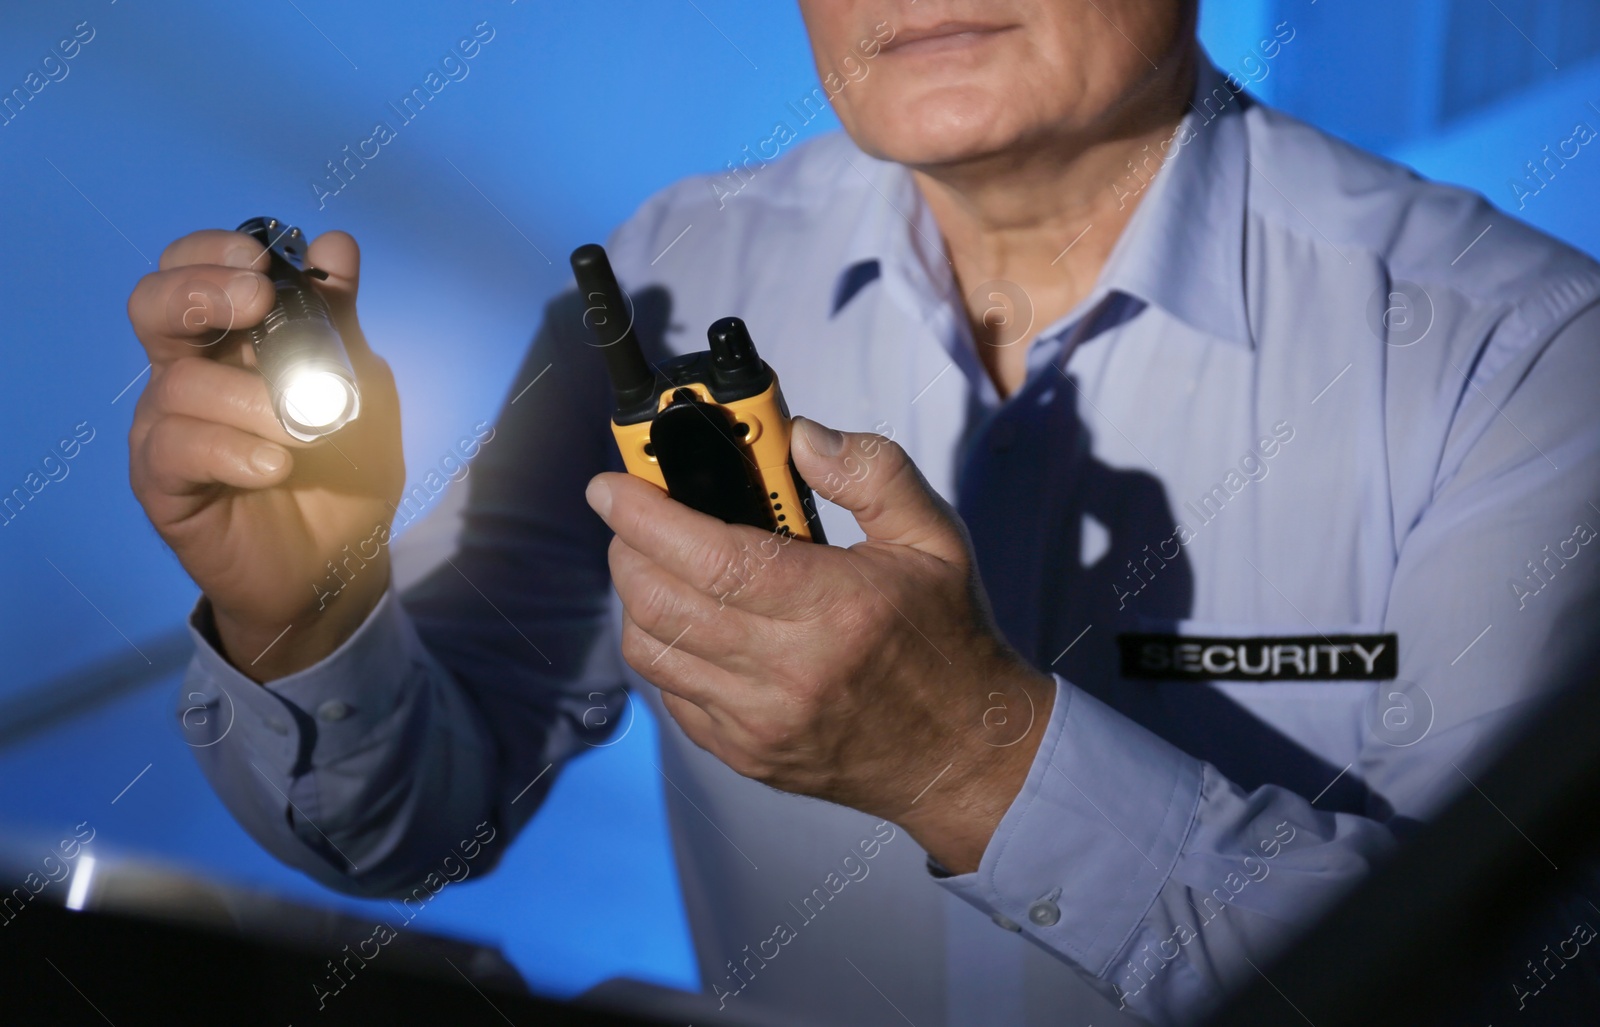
[[1093, 836], [315, 716]]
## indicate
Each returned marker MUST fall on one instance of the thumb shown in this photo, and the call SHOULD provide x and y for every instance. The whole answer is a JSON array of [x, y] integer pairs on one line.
[[876, 481]]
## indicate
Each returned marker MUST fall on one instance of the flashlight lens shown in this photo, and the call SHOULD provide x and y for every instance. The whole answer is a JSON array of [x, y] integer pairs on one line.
[[317, 399]]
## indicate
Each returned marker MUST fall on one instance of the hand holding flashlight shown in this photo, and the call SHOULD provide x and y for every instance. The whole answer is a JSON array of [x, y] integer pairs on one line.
[[267, 438]]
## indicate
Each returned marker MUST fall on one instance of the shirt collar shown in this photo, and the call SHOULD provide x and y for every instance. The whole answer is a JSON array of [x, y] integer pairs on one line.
[[1182, 251], [894, 232]]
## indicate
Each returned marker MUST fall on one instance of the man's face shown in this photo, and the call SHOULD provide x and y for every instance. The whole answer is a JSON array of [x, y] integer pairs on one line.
[[960, 80]]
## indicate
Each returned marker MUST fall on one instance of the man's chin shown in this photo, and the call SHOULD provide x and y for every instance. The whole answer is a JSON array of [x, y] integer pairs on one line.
[[951, 129]]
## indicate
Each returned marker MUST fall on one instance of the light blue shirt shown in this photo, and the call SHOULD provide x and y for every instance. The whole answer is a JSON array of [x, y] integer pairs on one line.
[[1310, 395]]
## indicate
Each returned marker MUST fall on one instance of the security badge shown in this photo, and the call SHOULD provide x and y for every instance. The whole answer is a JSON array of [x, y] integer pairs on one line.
[[1267, 658]]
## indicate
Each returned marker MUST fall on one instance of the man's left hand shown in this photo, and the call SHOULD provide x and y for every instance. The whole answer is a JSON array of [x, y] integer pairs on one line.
[[873, 676]]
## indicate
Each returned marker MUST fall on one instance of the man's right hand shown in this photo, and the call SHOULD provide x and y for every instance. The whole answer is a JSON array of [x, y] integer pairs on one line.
[[260, 520]]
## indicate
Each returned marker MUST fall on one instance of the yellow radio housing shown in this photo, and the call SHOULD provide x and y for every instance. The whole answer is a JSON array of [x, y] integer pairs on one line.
[[764, 443]]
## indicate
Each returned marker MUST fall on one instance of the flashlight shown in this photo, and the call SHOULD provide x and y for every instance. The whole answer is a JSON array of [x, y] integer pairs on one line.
[[711, 428], [297, 348]]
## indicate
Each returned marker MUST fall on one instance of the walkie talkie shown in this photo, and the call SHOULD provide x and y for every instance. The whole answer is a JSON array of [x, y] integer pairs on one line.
[[711, 428]]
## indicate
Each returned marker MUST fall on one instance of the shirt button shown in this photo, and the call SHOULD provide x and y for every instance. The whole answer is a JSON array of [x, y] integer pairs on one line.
[[1001, 920], [277, 726], [1044, 912], [333, 710]]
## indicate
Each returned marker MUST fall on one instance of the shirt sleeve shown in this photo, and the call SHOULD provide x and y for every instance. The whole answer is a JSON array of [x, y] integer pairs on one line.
[[1166, 883], [441, 723]]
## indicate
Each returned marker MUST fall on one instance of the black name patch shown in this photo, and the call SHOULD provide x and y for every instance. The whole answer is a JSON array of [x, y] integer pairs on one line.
[[1267, 658]]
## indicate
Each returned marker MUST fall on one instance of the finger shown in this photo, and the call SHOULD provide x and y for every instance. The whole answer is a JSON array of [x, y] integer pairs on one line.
[[338, 255], [876, 481], [690, 545], [184, 311], [759, 572], [701, 727], [183, 454], [208, 391], [674, 612], [719, 734], [214, 246], [674, 671]]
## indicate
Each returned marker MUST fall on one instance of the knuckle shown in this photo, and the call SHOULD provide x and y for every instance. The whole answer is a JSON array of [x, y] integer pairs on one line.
[[162, 442], [633, 647], [771, 735], [201, 308], [896, 461], [145, 290], [144, 404], [136, 460], [711, 558], [176, 382], [746, 764], [734, 574], [875, 445], [893, 462], [161, 461], [173, 250], [654, 604], [137, 430], [616, 555]]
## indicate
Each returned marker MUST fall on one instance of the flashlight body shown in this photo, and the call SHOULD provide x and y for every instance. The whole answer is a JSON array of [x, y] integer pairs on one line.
[[297, 338], [711, 427]]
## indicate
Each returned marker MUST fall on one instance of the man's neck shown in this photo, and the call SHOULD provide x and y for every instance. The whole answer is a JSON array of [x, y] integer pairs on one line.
[[1028, 236]]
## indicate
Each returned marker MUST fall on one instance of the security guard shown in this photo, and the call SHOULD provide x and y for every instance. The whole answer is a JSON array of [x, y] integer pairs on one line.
[[1205, 495]]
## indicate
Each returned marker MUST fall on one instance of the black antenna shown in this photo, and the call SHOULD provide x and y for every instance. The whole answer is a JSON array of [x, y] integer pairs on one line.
[[609, 318]]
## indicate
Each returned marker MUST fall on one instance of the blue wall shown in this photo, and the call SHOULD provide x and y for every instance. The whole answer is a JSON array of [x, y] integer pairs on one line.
[[177, 115]]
